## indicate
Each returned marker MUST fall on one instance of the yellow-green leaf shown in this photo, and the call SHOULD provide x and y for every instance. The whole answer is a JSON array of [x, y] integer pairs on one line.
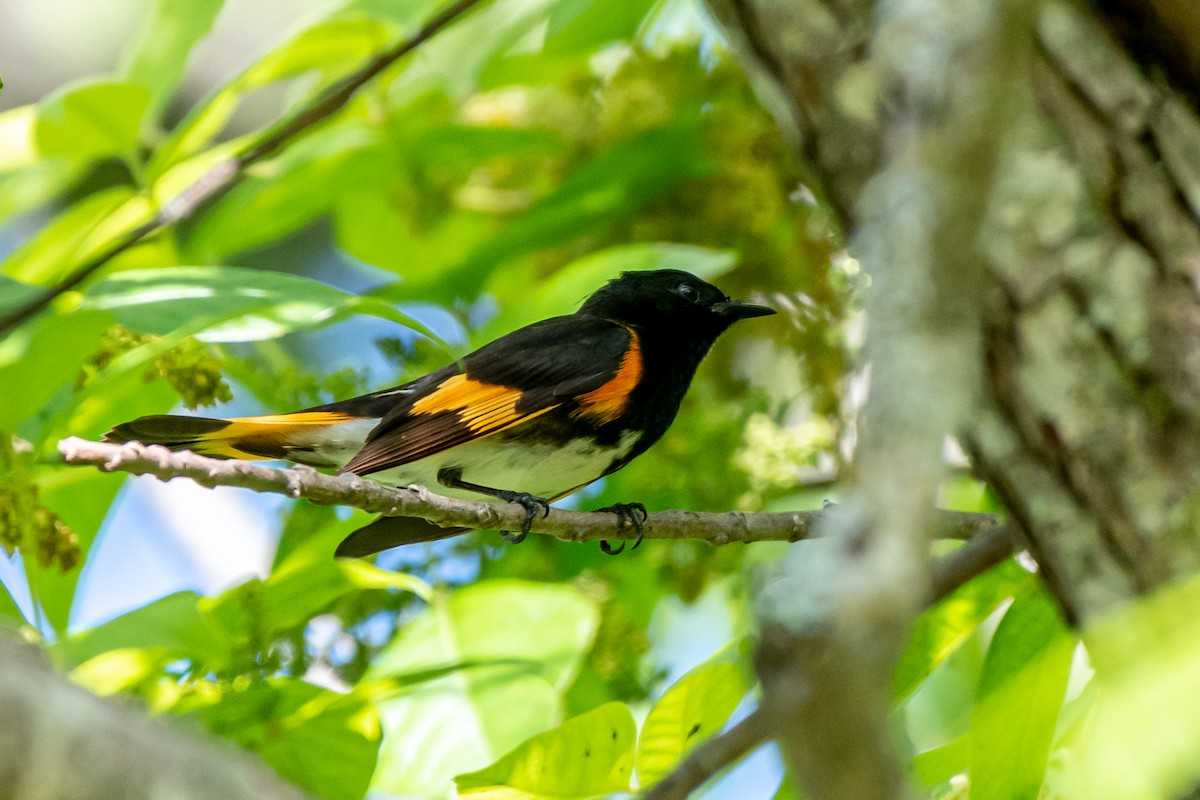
[[46, 257], [158, 57], [90, 120], [1018, 700], [694, 709], [587, 756], [518, 645]]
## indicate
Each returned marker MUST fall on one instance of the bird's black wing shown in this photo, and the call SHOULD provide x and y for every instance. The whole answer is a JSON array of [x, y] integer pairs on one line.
[[588, 363]]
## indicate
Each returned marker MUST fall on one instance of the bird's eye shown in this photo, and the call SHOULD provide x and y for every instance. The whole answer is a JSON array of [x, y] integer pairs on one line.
[[687, 292]]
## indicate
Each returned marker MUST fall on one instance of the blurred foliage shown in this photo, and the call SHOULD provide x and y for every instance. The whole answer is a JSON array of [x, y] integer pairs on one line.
[[189, 368], [520, 159], [25, 523]]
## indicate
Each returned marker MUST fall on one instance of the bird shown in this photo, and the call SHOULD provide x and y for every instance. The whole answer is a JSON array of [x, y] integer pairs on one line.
[[529, 418]]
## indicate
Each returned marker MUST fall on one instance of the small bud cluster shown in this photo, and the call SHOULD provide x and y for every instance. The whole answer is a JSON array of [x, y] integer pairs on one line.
[[188, 366], [24, 522]]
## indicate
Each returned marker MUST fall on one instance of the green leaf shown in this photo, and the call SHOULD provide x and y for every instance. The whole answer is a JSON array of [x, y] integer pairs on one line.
[[787, 790], [159, 56], [28, 187], [370, 227], [332, 46], [454, 60], [91, 119], [16, 131], [1140, 740], [586, 756], [42, 358], [173, 625], [14, 294], [307, 523], [304, 585], [9, 607], [614, 184], [1018, 700], [525, 642], [942, 763], [324, 742], [942, 629], [120, 670], [229, 304], [691, 711], [26, 179], [583, 25], [45, 257], [609, 187], [285, 193]]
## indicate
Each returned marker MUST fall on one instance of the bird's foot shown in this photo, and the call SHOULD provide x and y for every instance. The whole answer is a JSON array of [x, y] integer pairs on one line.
[[451, 477], [532, 505], [634, 514]]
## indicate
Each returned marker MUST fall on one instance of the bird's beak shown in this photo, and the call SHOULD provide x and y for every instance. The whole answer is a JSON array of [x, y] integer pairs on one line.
[[740, 309]]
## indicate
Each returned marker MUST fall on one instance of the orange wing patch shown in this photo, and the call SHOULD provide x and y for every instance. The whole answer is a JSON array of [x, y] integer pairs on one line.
[[481, 406], [607, 402], [473, 409]]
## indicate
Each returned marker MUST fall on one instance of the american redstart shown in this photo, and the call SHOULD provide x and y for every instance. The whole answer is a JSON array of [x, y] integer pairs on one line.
[[531, 417]]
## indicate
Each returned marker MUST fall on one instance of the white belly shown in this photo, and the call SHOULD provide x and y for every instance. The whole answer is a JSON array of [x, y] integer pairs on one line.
[[541, 470]]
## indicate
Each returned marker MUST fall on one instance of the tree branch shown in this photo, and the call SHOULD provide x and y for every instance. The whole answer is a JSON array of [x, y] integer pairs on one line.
[[223, 175], [711, 757], [973, 559], [983, 552], [989, 542], [417, 501]]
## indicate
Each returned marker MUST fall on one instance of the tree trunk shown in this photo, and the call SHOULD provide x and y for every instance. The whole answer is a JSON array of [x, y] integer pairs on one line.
[[1021, 179]]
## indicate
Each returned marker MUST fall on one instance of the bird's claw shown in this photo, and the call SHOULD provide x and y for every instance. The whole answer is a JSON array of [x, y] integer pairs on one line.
[[513, 538], [634, 514], [532, 505]]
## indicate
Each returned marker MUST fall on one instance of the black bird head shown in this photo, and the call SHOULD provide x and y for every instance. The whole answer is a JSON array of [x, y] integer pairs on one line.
[[669, 300]]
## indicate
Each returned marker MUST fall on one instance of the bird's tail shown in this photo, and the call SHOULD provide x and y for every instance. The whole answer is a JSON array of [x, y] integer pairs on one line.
[[388, 532], [270, 436]]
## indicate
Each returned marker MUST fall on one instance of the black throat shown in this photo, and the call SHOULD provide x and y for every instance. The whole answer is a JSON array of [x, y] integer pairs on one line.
[[669, 362]]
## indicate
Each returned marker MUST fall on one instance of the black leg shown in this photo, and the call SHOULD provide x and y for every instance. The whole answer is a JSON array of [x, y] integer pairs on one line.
[[627, 514], [451, 478]]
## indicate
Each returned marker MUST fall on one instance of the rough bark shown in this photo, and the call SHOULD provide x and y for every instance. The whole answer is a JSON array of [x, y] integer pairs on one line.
[[1089, 434], [1086, 416], [1022, 178]]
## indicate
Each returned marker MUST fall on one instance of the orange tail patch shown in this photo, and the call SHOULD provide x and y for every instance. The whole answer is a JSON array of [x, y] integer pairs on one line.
[[268, 436], [250, 438]]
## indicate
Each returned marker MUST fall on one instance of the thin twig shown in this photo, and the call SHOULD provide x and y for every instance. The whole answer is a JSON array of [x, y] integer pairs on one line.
[[417, 501], [974, 558], [223, 175], [983, 552], [711, 757]]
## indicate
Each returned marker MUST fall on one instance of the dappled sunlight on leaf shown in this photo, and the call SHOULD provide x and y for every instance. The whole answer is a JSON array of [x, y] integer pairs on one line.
[[588, 755], [691, 711], [526, 641]]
